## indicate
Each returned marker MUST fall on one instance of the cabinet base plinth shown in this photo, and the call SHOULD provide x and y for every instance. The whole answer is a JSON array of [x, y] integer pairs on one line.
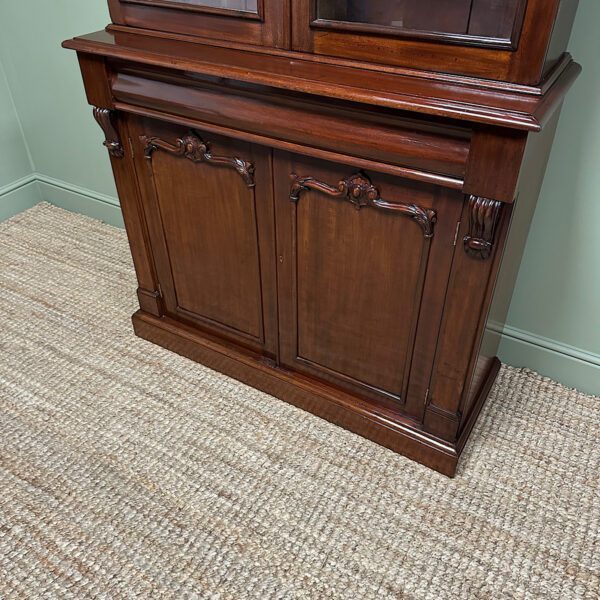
[[396, 432]]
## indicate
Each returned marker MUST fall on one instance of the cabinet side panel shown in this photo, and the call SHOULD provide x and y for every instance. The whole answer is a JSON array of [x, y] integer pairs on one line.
[[561, 33], [96, 78], [530, 183], [467, 301]]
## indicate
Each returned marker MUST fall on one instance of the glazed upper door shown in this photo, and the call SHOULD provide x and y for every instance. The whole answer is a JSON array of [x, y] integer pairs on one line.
[[489, 22], [363, 265], [261, 22], [492, 39], [209, 210]]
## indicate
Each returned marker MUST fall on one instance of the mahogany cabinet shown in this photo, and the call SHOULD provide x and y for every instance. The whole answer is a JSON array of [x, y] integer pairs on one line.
[[329, 200]]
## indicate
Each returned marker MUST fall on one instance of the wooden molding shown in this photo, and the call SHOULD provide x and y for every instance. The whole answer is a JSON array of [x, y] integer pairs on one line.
[[483, 216], [471, 99], [197, 150], [104, 117], [359, 191]]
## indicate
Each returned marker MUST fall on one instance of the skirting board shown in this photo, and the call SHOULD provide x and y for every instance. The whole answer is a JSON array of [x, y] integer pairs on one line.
[[80, 200], [571, 366], [19, 196], [35, 188]]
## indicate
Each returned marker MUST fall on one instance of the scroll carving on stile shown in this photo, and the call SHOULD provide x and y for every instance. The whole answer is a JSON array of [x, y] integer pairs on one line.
[[483, 215], [104, 116], [359, 191], [194, 148]]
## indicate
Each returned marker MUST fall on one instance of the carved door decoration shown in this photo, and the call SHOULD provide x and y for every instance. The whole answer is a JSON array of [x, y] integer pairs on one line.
[[211, 231], [484, 215], [105, 118], [360, 192], [194, 148], [355, 255]]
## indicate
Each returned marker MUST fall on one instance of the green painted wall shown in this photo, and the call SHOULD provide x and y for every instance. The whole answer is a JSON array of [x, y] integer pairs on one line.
[[557, 297], [554, 322], [17, 186], [14, 160], [46, 86]]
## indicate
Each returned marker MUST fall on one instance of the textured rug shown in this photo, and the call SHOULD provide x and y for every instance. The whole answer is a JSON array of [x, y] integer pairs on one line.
[[129, 472]]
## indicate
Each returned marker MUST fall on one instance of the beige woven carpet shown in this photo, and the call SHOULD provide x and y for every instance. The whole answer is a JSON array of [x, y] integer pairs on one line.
[[129, 472]]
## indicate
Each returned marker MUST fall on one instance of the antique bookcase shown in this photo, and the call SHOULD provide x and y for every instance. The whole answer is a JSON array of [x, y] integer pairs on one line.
[[329, 199]]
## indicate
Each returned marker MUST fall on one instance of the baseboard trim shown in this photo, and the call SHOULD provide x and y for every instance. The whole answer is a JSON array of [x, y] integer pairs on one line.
[[80, 200], [549, 344], [18, 196], [571, 366], [37, 187], [17, 184]]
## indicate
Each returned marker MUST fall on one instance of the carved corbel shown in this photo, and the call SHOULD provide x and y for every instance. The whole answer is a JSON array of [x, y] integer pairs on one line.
[[360, 192], [104, 116], [484, 215], [194, 148]]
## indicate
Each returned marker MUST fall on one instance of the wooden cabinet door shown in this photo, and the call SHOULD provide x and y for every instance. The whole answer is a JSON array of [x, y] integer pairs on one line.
[[480, 38], [364, 261], [260, 22], [209, 210]]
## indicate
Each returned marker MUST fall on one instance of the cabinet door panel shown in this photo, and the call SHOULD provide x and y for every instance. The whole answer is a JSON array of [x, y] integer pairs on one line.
[[351, 329], [211, 206], [355, 252]]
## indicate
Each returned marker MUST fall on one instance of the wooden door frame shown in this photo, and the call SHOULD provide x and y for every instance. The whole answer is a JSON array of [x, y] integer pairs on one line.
[[271, 27], [525, 64]]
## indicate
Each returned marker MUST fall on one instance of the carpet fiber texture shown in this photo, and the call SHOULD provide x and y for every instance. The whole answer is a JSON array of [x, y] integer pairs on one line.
[[129, 472]]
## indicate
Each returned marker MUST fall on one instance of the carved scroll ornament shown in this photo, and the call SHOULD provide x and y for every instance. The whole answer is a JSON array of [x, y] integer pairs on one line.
[[359, 191], [104, 116], [194, 148], [483, 217]]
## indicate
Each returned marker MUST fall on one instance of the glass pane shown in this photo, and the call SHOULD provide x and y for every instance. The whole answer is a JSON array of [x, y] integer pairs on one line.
[[483, 18], [250, 6]]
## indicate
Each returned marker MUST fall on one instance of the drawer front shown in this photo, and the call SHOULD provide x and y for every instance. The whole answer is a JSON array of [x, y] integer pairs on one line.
[[260, 22], [209, 211], [423, 148], [363, 262]]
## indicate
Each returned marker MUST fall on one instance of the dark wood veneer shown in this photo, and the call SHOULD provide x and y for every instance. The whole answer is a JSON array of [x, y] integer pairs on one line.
[[326, 208]]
